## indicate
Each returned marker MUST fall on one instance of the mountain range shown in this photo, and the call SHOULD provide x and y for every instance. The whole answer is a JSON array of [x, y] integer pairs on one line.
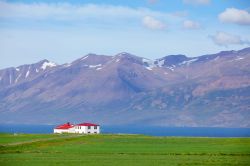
[[210, 90]]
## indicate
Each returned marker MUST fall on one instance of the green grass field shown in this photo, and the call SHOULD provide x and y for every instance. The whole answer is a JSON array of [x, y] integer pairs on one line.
[[97, 150]]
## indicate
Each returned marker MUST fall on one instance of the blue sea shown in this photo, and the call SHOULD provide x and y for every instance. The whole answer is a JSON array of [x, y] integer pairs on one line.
[[146, 130]]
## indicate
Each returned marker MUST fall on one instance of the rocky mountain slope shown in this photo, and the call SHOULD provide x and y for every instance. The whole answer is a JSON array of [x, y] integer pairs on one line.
[[176, 90]]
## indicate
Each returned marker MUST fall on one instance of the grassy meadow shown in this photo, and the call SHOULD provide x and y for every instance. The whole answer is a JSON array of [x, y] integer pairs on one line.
[[97, 150]]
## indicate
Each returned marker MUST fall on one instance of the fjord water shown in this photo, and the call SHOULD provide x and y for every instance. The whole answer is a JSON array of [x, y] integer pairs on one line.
[[146, 130]]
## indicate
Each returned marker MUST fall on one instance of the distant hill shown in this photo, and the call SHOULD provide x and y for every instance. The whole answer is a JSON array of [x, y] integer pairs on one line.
[[176, 90]]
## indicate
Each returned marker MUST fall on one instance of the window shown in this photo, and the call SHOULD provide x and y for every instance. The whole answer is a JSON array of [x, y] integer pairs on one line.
[[89, 132], [95, 127], [95, 132], [89, 127]]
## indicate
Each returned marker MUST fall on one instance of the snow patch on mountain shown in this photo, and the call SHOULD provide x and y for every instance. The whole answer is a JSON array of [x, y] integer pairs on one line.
[[18, 77], [171, 67], [238, 58], [47, 64], [149, 64], [160, 62], [188, 62], [17, 69], [67, 65], [27, 74], [85, 57], [122, 53], [149, 68], [95, 66], [99, 68]]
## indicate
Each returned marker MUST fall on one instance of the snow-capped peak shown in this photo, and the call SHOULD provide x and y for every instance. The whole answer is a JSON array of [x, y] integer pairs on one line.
[[47, 64]]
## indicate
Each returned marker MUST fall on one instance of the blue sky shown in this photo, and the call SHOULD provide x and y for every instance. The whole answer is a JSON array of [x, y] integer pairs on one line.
[[62, 31]]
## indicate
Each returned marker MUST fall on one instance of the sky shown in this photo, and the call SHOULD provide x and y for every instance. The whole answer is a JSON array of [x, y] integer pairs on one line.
[[62, 31]]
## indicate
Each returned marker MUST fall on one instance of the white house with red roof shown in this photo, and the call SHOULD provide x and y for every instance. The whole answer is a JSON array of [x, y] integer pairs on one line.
[[82, 128]]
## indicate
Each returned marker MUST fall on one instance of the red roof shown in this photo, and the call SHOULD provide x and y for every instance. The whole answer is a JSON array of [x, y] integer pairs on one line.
[[87, 124], [65, 126]]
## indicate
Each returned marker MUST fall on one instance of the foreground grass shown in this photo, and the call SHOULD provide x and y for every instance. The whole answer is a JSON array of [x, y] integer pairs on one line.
[[49, 149], [12, 139]]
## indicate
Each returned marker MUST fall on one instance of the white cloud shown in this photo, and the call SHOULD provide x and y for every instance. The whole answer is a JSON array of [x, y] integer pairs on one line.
[[189, 24], [152, 23], [236, 16], [225, 39], [197, 2]]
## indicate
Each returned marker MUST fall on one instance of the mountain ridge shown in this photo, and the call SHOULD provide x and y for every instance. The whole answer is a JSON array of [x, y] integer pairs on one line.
[[127, 89]]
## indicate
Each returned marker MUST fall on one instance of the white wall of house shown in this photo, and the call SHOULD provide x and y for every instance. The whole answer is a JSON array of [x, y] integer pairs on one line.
[[87, 129], [80, 129], [61, 131], [71, 130], [92, 129]]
